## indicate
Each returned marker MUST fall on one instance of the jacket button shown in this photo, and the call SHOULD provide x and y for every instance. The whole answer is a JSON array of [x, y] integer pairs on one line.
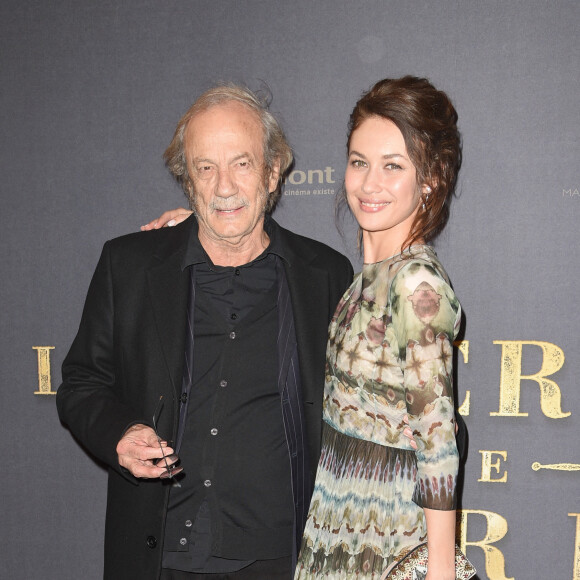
[[151, 541]]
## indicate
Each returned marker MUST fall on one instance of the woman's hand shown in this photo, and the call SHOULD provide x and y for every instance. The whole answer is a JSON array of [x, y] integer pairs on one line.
[[408, 433], [167, 219]]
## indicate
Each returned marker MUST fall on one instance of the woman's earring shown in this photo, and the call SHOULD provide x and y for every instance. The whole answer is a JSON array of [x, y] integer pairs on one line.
[[426, 199]]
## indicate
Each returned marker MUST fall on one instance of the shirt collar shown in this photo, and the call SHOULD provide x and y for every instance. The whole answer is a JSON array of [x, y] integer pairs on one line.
[[195, 254]]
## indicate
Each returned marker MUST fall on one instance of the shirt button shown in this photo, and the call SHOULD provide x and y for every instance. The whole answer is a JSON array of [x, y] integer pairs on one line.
[[223, 383], [214, 431], [234, 316], [183, 541], [237, 271], [232, 335], [207, 483]]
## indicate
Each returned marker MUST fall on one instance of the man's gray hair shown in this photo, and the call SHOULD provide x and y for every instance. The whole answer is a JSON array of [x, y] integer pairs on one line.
[[275, 145]]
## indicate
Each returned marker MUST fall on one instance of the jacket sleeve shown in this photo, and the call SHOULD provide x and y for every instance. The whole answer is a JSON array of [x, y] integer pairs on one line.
[[87, 400], [426, 318]]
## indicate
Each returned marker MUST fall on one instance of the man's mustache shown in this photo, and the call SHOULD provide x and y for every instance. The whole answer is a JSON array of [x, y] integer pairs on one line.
[[228, 204]]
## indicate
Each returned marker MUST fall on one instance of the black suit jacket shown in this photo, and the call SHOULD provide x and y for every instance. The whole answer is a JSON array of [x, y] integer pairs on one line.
[[129, 351]]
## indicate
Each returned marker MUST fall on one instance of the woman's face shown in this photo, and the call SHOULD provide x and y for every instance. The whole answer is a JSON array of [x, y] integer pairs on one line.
[[381, 182]]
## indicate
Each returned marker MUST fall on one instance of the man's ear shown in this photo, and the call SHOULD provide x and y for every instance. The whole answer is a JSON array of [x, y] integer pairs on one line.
[[274, 176]]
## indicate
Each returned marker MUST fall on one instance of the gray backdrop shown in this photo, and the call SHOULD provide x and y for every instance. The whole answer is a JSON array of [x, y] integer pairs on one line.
[[90, 93]]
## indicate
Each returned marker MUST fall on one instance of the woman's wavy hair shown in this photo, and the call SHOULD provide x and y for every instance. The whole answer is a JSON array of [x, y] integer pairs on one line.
[[428, 121], [275, 145]]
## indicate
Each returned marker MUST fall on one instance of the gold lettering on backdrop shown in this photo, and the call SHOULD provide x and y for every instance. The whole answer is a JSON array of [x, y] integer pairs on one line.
[[557, 466], [44, 383], [496, 529], [511, 377], [463, 347], [487, 466], [576, 570]]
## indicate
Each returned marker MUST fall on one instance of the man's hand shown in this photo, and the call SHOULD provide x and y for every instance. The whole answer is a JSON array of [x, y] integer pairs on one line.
[[167, 219], [139, 451]]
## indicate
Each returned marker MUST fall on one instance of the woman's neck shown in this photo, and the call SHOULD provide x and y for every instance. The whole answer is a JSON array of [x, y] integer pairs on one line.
[[378, 246]]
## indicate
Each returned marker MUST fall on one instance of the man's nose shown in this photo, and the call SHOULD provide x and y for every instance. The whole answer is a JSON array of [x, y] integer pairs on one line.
[[226, 185]]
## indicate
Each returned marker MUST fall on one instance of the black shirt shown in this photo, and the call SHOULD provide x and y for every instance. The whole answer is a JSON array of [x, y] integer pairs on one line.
[[235, 504]]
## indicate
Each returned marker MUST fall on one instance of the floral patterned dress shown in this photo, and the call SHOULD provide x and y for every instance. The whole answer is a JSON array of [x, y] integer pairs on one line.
[[389, 353]]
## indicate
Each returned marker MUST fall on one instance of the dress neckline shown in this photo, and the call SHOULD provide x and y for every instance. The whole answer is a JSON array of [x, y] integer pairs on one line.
[[409, 250]]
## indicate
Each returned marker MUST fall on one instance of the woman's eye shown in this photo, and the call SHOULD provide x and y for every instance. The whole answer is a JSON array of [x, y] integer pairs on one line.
[[357, 163], [393, 166]]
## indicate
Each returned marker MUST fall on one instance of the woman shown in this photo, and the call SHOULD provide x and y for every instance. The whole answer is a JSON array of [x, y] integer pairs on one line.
[[390, 349]]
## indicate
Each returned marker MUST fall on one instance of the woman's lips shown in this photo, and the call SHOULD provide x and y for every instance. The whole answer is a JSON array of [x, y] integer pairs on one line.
[[373, 206]]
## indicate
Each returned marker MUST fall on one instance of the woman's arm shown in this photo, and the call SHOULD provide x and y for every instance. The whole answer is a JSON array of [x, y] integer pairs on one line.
[[441, 544], [426, 315]]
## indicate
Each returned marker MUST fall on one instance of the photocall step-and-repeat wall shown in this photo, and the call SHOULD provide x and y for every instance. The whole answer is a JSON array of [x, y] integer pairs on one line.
[[90, 95]]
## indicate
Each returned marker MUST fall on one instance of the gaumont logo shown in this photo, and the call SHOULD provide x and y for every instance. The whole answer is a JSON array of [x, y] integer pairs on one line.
[[310, 182], [572, 192]]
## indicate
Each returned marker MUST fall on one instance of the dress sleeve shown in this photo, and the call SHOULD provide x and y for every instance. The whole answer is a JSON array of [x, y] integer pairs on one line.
[[426, 317]]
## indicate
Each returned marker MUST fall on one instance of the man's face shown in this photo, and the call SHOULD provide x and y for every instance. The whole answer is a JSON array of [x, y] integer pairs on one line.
[[225, 160]]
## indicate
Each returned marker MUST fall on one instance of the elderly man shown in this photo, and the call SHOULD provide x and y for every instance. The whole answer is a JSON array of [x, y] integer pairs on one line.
[[219, 324]]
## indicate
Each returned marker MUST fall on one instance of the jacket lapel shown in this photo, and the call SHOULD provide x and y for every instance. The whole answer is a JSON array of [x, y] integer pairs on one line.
[[168, 290], [308, 287]]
